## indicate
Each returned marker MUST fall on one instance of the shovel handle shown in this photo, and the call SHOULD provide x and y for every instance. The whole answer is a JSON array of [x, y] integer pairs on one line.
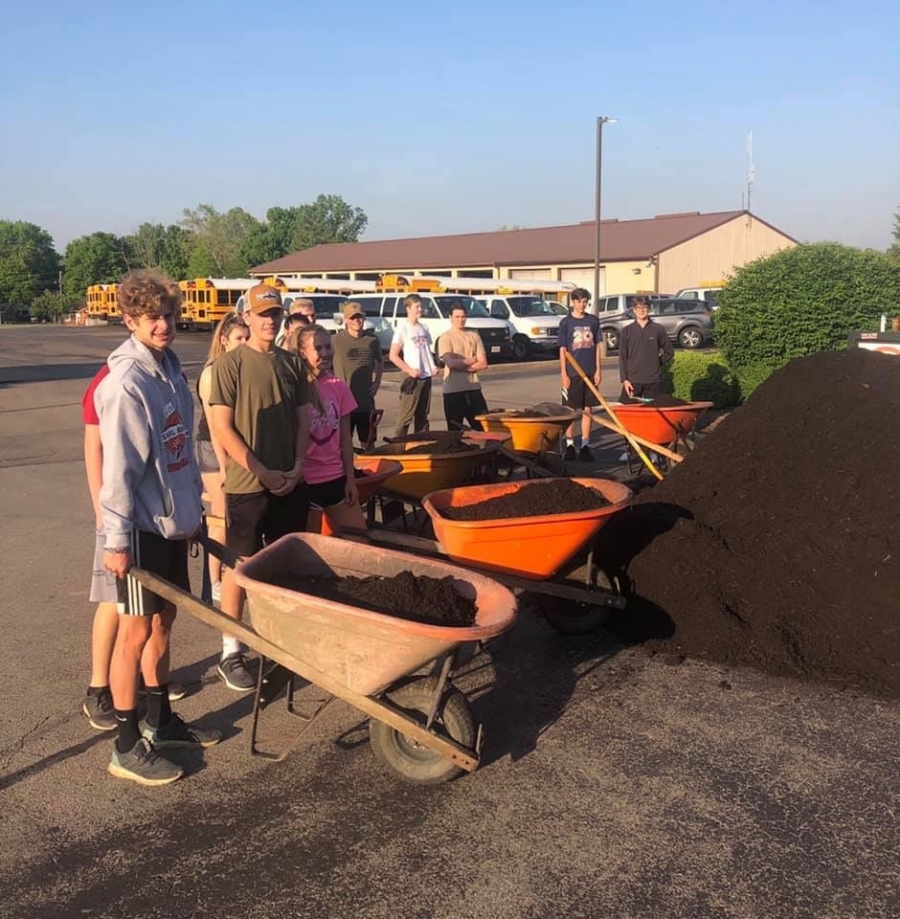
[[615, 418]]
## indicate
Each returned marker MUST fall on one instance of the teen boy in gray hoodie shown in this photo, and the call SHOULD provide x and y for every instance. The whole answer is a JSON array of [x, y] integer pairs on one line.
[[150, 503]]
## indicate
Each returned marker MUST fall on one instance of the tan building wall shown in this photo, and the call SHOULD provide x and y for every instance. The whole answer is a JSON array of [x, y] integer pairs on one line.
[[714, 255]]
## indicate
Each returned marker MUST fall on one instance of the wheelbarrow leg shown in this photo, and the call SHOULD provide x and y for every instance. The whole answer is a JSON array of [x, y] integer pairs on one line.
[[374, 420], [447, 664]]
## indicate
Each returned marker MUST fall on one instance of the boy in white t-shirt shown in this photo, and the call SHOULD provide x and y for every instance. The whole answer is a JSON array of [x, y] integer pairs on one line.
[[411, 351]]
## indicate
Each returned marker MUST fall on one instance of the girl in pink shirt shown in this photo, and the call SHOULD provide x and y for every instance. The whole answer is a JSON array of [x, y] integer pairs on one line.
[[328, 467]]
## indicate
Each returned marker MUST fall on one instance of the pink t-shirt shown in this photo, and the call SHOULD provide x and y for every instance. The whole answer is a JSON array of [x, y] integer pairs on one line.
[[323, 456]]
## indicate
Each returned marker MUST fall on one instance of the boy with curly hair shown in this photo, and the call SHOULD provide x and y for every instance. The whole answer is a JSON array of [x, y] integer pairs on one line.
[[150, 507]]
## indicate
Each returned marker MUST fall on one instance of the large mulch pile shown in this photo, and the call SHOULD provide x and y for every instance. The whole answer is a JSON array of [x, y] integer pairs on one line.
[[777, 542]]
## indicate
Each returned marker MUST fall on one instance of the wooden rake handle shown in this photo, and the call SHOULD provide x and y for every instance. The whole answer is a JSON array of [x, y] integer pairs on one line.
[[615, 419]]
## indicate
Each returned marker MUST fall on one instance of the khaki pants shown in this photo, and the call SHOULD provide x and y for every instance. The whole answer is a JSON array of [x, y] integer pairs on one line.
[[415, 404]]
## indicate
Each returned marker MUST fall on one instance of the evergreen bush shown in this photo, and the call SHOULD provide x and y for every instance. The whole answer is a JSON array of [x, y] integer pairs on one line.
[[701, 377], [801, 301]]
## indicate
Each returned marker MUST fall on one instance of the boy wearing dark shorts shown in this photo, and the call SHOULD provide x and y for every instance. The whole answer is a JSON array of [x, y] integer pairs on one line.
[[150, 506], [579, 335], [258, 399]]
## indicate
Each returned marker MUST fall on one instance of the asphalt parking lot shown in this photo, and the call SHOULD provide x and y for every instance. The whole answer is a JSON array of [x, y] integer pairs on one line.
[[613, 783]]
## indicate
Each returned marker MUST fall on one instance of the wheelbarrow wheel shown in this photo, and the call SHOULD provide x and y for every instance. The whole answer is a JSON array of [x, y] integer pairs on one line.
[[409, 759], [572, 617]]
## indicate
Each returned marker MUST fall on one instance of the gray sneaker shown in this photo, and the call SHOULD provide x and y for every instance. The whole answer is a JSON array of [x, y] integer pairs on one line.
[[144, 765], [176, 733], [99, 710], [234, 671]]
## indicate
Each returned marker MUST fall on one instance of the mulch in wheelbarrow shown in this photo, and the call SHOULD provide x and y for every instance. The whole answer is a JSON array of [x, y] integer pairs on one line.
[[435, 601], [561, 496], [777, 542], [448, 444]]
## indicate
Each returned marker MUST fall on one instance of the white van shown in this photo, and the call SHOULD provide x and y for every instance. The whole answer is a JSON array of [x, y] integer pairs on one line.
[[709, 295], [533, 321], [388, 308]]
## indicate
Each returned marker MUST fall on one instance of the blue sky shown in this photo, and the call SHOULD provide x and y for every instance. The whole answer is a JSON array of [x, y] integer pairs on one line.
[[445, 118]]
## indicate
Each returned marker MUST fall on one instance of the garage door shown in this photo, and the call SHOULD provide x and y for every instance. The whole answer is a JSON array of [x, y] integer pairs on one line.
[[530, 274], [583, 277]]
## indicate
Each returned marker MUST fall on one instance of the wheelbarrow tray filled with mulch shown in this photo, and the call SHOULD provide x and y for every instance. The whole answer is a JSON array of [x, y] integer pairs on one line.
[[363, 650], [429, 464], [529, 546]]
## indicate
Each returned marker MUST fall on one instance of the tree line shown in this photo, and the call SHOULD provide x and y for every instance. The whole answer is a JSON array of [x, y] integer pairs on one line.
[[204, 243]]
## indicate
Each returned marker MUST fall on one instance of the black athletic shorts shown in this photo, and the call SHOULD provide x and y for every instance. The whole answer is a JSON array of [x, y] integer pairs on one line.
[[579, 396], [167, 558], [327, 494], [258, 519]]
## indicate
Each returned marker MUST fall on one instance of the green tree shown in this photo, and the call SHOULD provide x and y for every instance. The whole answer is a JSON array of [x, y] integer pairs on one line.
[[98, 258], [218, 240], [894, 251], [52, 305], [328, 219], [800, 301], [28, 262], [153, 245]]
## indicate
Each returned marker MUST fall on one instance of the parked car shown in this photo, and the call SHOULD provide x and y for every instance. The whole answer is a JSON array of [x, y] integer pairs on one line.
[[709, 295], [621, 303], [533, 321], [687, 322], [388, 310]]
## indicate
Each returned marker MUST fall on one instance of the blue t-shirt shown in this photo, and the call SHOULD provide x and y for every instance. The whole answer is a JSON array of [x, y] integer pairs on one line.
[[580, 338]]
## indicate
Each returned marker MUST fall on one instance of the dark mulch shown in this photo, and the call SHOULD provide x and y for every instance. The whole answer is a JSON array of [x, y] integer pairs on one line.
[[777, 542], [557, 496], [449, 444], [435, 601]]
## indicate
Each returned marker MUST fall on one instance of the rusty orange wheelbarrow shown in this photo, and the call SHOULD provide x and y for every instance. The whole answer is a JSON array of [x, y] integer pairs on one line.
[[421, 727]]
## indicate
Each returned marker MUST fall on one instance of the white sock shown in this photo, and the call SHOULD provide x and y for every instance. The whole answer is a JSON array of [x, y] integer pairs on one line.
[[230, 646], [570, 442]]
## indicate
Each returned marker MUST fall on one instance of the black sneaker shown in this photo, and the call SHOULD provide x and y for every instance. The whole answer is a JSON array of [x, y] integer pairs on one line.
[[176, 733], [235, 673], [569, 455], [585, 455], [144, 765], [99, 710]]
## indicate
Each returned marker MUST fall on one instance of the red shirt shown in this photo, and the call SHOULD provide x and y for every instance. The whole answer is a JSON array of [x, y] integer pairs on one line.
[[88, 409]]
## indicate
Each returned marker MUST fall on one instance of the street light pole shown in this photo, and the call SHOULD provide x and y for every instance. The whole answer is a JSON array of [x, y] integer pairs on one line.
[[602, 120]]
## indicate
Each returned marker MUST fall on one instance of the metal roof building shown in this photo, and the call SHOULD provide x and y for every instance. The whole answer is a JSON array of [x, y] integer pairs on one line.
[[659, 254]]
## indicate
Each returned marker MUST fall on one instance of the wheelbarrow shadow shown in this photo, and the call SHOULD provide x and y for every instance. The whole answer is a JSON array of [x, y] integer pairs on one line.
[[535, 673], [536, 670]]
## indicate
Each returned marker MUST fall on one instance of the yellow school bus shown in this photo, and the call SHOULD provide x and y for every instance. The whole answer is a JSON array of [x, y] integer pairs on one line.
[[97, 301], [207, 300], [113, 313]]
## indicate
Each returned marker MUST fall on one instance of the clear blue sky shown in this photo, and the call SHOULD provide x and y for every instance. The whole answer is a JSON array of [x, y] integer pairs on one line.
[[445, 118]]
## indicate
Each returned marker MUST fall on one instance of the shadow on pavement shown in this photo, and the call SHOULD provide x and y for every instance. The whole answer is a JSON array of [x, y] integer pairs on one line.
[[43, 373]]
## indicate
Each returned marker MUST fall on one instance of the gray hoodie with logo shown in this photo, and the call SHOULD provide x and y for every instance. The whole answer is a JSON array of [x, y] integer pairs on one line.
[[151, 480]]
